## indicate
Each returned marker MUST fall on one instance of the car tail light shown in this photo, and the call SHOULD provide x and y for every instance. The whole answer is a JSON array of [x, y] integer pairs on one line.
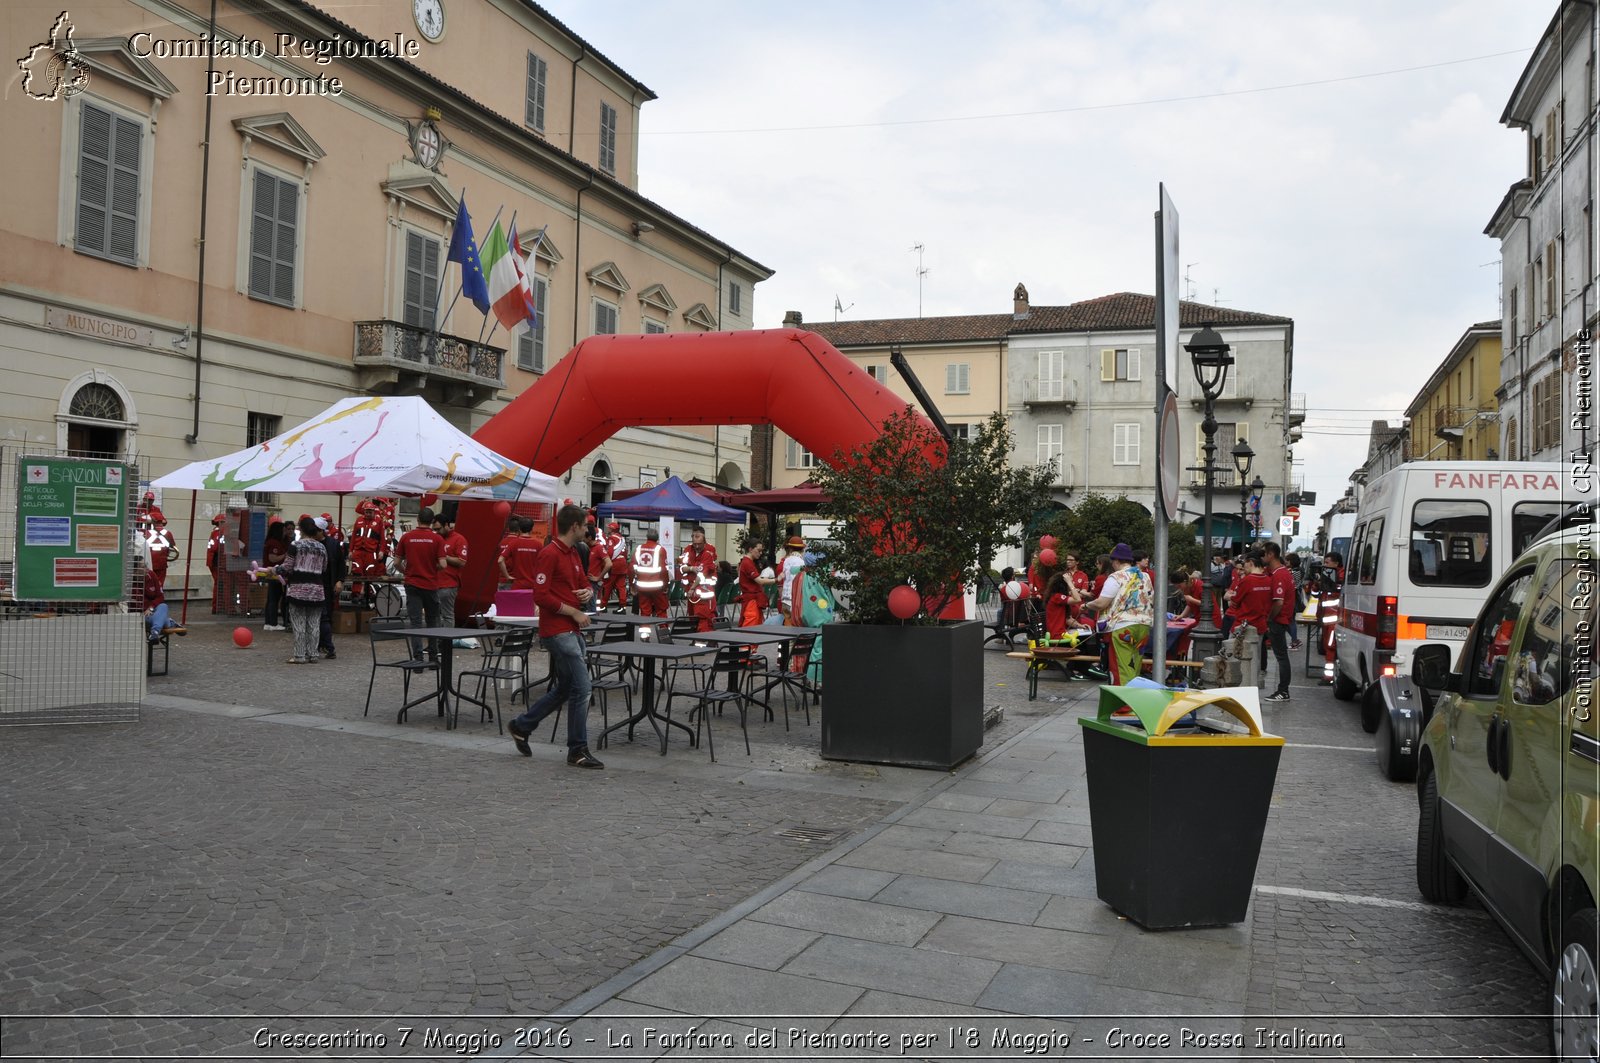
[[1388, 669], [1388, 621]]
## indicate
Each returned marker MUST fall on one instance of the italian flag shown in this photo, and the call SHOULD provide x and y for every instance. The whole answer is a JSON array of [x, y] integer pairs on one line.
[[510, 294]]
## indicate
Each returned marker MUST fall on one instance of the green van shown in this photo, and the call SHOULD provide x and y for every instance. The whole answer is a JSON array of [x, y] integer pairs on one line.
[[1508, 776]]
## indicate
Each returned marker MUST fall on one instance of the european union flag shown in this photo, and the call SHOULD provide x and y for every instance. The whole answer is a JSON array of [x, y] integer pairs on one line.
[[464, 249]]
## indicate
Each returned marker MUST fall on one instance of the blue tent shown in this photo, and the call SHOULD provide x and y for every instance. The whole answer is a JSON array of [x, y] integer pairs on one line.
[[671, 498]]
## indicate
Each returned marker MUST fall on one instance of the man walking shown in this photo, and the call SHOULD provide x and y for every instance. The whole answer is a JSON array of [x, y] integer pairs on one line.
[[561, 590], [1280, 615]]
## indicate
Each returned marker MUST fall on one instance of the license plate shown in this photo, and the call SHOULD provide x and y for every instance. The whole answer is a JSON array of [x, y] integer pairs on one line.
[[1453, 632]]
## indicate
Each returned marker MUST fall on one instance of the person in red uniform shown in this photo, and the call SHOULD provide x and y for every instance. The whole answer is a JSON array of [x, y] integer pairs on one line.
[[752, 586], [702, 593], [1252, 600], [694, 557], [163, 547], [1280, 617], [421, 554], [615, 547], [517, 557], [335, 532], [217, 557], [650, 576], [561, 591], [599, 564]]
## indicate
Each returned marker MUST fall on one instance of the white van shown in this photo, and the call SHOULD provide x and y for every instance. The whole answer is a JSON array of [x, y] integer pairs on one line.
[[1430, 539]]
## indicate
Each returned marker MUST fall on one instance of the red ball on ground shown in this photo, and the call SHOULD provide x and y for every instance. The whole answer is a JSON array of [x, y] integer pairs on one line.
[[243, 636], [1047, 557], [904, 602]]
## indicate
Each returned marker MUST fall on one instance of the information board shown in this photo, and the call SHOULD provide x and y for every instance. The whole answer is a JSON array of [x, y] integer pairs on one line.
[[72, 528]]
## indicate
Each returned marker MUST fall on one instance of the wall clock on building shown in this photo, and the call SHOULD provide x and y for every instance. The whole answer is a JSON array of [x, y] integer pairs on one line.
[[430, 17]]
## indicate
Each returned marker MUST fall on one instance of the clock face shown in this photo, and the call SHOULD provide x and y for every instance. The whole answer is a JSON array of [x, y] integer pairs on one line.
[[430, 17], [428, 146]]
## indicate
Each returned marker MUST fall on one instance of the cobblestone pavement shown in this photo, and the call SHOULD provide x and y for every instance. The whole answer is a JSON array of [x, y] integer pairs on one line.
[[255, 848]]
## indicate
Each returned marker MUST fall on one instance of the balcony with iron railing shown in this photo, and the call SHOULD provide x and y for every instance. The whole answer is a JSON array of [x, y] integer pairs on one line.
[[1297, 408], [400, 359], [1224, 480], [1044, 392]]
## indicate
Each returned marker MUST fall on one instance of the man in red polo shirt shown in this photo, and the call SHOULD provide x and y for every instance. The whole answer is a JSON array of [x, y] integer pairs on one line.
[[1280, 616], [421, 556], [561, 590]]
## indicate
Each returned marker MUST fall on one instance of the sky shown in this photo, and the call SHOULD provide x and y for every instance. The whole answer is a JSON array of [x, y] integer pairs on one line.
[[1331, 163]]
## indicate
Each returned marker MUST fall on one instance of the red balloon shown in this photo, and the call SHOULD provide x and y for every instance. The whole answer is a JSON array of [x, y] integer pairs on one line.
[[904, 602], [1046, 541], [1025, 590], [243, 636], [502, 510], [1047, 557]]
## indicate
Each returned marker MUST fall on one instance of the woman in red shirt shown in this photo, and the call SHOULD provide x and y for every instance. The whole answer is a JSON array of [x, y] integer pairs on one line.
[[752, 586]]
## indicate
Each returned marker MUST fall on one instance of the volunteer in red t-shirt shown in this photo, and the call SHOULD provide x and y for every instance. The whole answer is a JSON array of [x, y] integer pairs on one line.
[[455, 561], [1280, 618], [421, 555], [517, 557], [752, 586], [561, 591], [1252, 600]]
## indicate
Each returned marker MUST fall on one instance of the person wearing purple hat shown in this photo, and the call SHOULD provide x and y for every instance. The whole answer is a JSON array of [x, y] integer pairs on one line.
[[1126, 607]]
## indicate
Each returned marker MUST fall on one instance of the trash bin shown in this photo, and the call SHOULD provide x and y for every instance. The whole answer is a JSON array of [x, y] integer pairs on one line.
[[1177, 807]]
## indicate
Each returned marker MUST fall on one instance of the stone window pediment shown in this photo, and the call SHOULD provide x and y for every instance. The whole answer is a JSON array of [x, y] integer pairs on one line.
[[701, 316], [422, 189], [607, 275], [283, 132], [657, 296], [111, 57]]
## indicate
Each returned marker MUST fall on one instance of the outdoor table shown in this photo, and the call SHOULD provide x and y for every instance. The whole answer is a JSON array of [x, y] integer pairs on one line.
[[781, 629], [755, 635], [445, 637], [633, 619], [650, 653]]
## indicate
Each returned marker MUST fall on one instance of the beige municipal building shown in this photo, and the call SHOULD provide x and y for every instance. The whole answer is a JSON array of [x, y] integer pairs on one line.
[[213, 230]]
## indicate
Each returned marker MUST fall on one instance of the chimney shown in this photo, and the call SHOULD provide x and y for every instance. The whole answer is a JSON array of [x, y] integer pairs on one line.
[[792, 319], [1019, 302]]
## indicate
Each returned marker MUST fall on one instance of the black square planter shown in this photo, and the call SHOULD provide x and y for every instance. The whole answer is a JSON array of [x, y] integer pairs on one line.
[[911, 696]]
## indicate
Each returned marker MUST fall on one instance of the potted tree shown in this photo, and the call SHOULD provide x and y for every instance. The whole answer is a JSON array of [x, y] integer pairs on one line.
[[917, 520]]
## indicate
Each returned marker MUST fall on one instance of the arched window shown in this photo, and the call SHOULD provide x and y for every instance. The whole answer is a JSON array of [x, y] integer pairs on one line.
[[600, 481], [96, 418]]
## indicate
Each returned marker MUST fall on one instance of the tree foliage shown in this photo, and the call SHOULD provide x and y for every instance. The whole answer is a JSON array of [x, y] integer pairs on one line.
[[911, 509], [1098, 522]]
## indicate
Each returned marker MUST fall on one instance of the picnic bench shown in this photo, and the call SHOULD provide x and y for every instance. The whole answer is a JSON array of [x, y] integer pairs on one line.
[[1067, 657]]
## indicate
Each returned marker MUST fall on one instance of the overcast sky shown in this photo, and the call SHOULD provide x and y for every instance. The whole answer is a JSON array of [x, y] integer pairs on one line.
[[1338, 167]]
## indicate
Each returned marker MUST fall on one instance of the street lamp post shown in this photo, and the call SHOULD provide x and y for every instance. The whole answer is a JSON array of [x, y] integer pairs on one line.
[[1211, 358], [1243, 456], [1258, 487]]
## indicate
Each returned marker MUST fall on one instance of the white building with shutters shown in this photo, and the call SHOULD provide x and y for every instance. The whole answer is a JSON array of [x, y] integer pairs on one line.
[[1080, 390], [1077, 386], [1549, 264]]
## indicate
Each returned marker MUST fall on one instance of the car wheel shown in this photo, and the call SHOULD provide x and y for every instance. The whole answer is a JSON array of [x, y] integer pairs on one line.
[[1371, 708], [1437, 881], [1393, 765], [1343, 689], [1575, 990]]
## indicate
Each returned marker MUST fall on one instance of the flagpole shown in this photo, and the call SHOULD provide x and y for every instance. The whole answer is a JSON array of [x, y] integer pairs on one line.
[[439, 320], [545, 228], [487, 316]]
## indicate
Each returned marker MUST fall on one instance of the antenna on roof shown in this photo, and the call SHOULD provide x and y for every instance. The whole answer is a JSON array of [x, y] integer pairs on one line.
[[921, 273], [1188, 284], [839, 308]]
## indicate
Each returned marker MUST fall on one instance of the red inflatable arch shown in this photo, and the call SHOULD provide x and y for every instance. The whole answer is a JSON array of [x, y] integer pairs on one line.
[[790, 378]]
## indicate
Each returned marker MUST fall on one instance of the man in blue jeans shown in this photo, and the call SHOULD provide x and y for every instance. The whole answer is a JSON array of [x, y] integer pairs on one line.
[[561, 590]]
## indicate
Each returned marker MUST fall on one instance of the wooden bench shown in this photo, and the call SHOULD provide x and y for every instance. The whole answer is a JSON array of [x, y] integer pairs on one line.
[[1040, 657]]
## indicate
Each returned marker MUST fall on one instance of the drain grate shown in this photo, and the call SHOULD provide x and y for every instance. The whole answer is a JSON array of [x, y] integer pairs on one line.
[[811, 834]]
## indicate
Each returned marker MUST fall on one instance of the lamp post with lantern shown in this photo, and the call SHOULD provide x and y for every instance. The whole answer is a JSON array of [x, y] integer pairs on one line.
[[1210, 357], [1243, 456]]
